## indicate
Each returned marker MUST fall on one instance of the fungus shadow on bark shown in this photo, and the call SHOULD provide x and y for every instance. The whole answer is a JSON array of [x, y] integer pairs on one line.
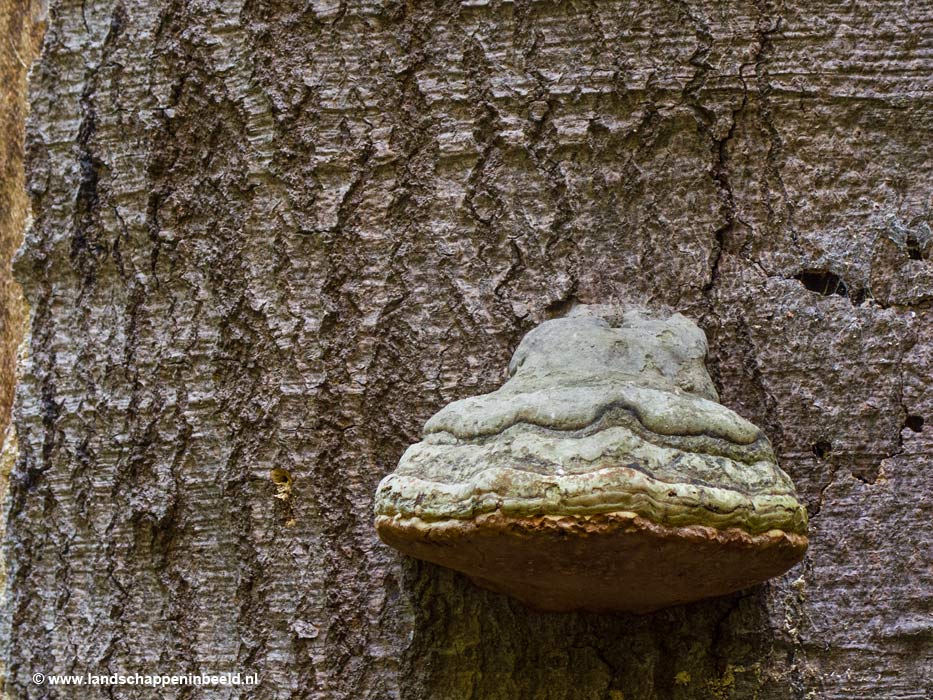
[[470, 642]]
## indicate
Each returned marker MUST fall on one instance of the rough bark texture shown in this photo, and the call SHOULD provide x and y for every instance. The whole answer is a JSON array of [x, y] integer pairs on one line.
[[21, 25], [281, 235]]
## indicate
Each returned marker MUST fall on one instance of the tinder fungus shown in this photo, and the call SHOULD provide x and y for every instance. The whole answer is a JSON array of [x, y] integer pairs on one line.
[[603, 475]]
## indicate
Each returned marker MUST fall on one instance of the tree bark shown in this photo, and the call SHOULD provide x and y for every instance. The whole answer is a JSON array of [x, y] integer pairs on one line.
[[280, 235], [21, 25]]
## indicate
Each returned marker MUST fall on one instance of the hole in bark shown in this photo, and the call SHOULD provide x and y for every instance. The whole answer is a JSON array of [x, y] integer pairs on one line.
[[283, 483], [914, 249], [823, 282], [915, 423], [280, 476], [822, 448]]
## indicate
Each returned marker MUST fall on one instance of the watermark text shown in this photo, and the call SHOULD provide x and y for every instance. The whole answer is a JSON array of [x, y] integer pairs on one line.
[[146, 679]]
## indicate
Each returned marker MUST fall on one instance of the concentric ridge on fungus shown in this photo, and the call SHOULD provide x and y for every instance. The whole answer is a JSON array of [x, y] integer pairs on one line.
[[603, 475]]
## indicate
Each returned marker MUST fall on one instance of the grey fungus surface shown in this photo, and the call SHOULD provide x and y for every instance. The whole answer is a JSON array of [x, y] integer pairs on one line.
[[603, 475]]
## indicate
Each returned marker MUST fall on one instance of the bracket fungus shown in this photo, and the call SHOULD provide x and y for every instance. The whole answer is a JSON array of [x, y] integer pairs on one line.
[[603, 475]]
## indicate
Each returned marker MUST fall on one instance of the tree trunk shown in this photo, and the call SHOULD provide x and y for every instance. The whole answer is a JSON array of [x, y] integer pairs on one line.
[[21, 24], [280, 235]]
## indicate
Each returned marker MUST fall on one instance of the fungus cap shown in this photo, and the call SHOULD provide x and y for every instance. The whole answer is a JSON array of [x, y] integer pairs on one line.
[[603, 475]]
